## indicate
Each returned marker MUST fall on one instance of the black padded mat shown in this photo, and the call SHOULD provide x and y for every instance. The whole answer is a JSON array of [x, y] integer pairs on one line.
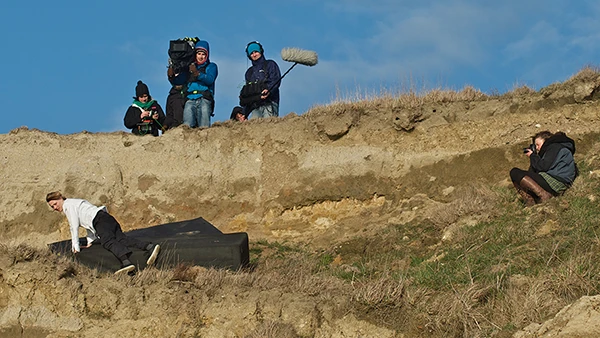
[[197, 226], [194, 242]]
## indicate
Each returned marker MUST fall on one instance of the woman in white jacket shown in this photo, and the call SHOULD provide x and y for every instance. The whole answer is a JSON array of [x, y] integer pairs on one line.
[[99, 224]]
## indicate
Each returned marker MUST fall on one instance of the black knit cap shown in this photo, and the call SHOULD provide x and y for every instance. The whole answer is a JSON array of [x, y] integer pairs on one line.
[[141, 89]]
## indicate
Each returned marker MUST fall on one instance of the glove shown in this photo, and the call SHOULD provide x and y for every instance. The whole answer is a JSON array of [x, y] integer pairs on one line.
[[170, 72], [193, 70]]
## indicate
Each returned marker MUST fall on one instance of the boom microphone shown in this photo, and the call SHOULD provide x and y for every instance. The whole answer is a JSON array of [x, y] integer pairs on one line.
[[301, 56], [297, 56]]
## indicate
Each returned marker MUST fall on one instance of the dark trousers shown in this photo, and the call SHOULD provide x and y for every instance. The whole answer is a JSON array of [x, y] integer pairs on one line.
[[112, 237], [175, 104], [516, 175]]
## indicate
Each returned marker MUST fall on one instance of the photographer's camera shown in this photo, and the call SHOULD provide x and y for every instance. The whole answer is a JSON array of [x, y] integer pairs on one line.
[[150, 116], [531, 147]]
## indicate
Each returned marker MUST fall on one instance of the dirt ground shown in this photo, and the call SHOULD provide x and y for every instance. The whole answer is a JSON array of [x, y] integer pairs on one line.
[[318, 179]]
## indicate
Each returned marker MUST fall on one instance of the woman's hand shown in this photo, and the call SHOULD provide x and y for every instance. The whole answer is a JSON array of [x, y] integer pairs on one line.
[[144, 113], [528, 152]]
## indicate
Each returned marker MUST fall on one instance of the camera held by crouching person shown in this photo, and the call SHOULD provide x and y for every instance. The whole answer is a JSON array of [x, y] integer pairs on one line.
[[531, 147], [150, 117]]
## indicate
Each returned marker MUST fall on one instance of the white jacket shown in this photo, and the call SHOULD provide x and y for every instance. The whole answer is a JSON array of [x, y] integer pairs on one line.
[[81, 213]]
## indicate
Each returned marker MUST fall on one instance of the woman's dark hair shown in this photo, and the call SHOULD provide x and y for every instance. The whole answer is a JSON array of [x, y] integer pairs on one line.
[[55, 195], [544, 135]]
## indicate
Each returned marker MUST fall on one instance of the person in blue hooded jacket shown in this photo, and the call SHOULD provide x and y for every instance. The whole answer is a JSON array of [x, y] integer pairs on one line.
[[200, 91], [552, 168], [266, 71]]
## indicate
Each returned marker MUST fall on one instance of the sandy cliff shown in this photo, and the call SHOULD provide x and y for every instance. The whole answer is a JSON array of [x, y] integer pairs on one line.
[[316, 179]]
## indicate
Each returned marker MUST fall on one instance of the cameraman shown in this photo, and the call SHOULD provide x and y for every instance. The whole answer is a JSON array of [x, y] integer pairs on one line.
[[145, 116], [552, 168]]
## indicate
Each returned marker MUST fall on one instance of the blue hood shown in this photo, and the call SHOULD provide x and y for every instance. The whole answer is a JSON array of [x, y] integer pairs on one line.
[[203, 44]]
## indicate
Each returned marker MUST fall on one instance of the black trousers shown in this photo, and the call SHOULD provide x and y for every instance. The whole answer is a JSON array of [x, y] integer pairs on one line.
[[516, 175], [112, 237], [175, 104]]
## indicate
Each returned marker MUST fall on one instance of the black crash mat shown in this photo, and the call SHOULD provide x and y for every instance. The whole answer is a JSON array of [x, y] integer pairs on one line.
[[197, 226], [196, 244]]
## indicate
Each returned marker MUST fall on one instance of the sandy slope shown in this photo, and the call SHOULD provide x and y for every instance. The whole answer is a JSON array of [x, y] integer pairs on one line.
[[319, 178]]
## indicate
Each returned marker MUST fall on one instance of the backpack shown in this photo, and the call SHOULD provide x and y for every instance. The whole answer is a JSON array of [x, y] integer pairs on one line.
[[181, 53]]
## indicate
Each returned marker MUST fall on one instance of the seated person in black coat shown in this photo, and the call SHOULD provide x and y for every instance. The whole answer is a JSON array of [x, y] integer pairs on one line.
[[145, 116]]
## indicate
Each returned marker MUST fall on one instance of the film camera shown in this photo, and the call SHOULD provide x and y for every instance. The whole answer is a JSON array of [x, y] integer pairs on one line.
[[181, 53], [531, 147]]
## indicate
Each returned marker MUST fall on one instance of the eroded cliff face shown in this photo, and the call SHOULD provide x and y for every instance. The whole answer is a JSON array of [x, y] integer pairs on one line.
[[255, 176], [319, 179]]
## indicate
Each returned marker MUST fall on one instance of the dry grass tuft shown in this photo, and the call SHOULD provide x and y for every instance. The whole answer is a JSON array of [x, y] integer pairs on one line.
[[528, 300], [586, 74], [24, 253], [459, 313], [296, 274], [406, 99], [214, 279], [150, 276], [413, 99], [381, 292], [522, 90], [574, 277]]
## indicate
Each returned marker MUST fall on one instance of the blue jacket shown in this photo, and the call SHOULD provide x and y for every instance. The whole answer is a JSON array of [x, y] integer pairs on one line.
[[205, 81], [268, 71]]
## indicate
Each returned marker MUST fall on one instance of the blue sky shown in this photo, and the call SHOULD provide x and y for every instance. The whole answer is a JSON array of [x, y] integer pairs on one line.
[[69, 66]]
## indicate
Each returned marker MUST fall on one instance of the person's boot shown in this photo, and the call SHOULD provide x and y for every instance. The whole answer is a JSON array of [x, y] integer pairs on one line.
[[529, 184], [527, 198]]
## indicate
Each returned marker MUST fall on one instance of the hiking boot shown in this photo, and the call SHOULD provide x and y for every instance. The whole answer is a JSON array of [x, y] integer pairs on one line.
[[527, 198], [125, 269], [529, 184], [153, 254]]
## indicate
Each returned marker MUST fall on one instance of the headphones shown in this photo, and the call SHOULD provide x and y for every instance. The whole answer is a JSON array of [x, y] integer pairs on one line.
[[262, 51]]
